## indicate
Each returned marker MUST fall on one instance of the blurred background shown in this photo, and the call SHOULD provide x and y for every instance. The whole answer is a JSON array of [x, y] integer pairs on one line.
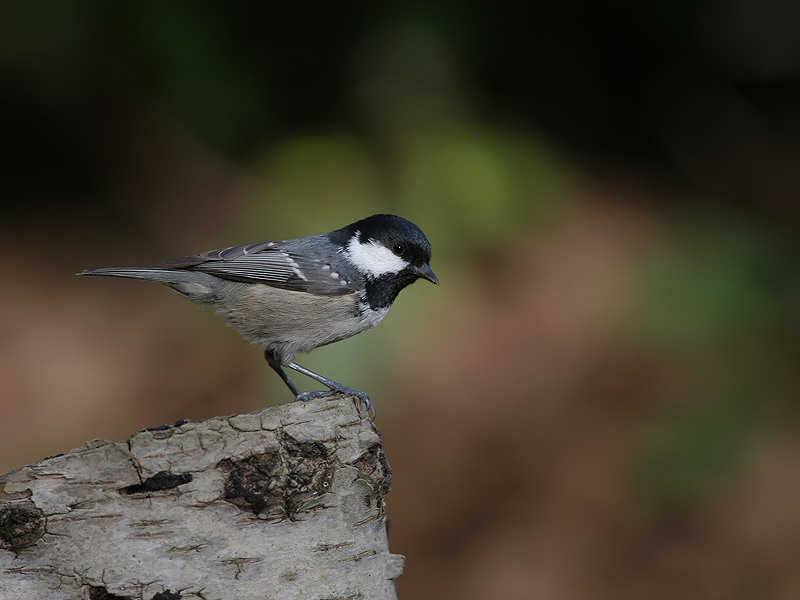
[[599, 401]]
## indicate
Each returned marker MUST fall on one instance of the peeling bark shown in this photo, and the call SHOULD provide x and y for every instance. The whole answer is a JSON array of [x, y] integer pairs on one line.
[[283, 503]]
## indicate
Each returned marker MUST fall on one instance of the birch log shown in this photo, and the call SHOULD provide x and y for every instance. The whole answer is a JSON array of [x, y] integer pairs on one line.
[[283, 503]]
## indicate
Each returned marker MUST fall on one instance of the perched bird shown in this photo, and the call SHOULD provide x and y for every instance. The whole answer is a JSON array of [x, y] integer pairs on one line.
[[292, 296]]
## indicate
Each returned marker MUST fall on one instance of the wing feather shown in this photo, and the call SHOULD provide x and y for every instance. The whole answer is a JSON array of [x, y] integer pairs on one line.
[[269, 263]]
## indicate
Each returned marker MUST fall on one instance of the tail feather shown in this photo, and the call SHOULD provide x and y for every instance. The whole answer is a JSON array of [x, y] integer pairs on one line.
[[196, 286], [162, 275]]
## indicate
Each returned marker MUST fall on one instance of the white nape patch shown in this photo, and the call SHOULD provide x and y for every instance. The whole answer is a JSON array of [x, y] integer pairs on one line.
[[373, 258]]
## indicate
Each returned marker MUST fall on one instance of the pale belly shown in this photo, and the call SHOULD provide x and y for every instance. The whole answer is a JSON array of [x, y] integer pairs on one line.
[[287, 322]]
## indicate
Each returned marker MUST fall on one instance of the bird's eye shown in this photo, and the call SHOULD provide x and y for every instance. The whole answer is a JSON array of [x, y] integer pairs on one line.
[[398, 249]]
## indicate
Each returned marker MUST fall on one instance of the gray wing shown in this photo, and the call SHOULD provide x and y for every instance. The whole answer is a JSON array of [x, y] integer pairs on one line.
[[270, 263]]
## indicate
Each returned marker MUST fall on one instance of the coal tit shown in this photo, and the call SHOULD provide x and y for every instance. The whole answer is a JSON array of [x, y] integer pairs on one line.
[[292, 296]]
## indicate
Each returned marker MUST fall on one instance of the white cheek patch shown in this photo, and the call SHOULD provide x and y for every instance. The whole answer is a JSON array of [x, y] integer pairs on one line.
[[374, 259]]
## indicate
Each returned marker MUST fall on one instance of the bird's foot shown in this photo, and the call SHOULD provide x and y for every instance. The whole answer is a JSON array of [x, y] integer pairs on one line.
[[362, 397]]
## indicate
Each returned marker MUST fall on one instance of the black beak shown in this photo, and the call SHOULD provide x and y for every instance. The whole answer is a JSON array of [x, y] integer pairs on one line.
[[425, 272]]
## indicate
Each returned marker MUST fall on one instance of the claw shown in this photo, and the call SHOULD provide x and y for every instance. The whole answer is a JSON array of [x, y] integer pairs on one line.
[[306, 396], [365, 402], [362, 397]]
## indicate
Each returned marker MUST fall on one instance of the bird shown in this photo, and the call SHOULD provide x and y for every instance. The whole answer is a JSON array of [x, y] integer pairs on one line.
[[292, 296]]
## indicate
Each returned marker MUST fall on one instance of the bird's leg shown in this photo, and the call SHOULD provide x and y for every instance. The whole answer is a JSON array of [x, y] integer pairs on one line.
[[273, 362], [334, 387]]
